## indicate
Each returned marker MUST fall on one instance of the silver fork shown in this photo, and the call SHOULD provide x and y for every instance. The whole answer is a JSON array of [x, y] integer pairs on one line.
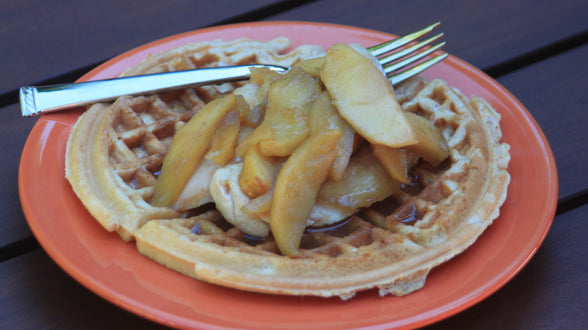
[[399, 60]]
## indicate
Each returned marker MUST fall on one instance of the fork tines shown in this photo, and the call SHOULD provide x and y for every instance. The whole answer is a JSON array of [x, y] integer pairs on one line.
[[400, 57]]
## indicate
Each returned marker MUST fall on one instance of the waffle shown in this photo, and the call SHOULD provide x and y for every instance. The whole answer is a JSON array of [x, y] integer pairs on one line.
[[115, 152]]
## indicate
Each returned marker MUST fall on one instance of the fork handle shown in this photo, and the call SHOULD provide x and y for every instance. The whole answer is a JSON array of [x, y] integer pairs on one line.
[[43, 99]]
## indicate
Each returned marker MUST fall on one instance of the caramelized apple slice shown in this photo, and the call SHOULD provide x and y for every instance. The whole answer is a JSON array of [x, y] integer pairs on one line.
[[247, 116], [297, 186], [397, 162], [289, 130], [324, 116], [188, 147], [288, 104], [263, 77], [432, 145], [258, 173], [196, 191], [364, 182], [224, 140], [365, 98], [260, 206], [284, 126], [312, 65], [260, 133]]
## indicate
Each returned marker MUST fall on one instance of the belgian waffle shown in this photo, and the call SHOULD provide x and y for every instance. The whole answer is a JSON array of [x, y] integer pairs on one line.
[[391, 246], [116, 150]]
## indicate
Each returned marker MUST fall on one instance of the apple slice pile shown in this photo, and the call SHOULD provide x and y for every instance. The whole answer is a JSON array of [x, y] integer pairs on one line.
[[328, 132]]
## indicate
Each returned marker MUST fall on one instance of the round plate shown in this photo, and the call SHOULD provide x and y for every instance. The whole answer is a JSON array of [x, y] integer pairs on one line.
[[114, 269]]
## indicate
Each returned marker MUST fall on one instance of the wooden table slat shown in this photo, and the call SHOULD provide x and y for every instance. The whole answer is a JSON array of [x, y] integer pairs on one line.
[[471, 28], [554, 92], [112, 27], [15, 130], [42, 40]]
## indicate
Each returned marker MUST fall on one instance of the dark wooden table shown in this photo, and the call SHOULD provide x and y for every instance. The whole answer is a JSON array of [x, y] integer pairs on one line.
[[536, 49]]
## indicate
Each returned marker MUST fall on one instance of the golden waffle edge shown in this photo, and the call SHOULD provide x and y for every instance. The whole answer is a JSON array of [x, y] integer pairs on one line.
[[115, 149]]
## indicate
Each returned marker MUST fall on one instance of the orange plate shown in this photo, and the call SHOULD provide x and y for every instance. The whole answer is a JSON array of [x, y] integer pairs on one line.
[[113, 269]]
